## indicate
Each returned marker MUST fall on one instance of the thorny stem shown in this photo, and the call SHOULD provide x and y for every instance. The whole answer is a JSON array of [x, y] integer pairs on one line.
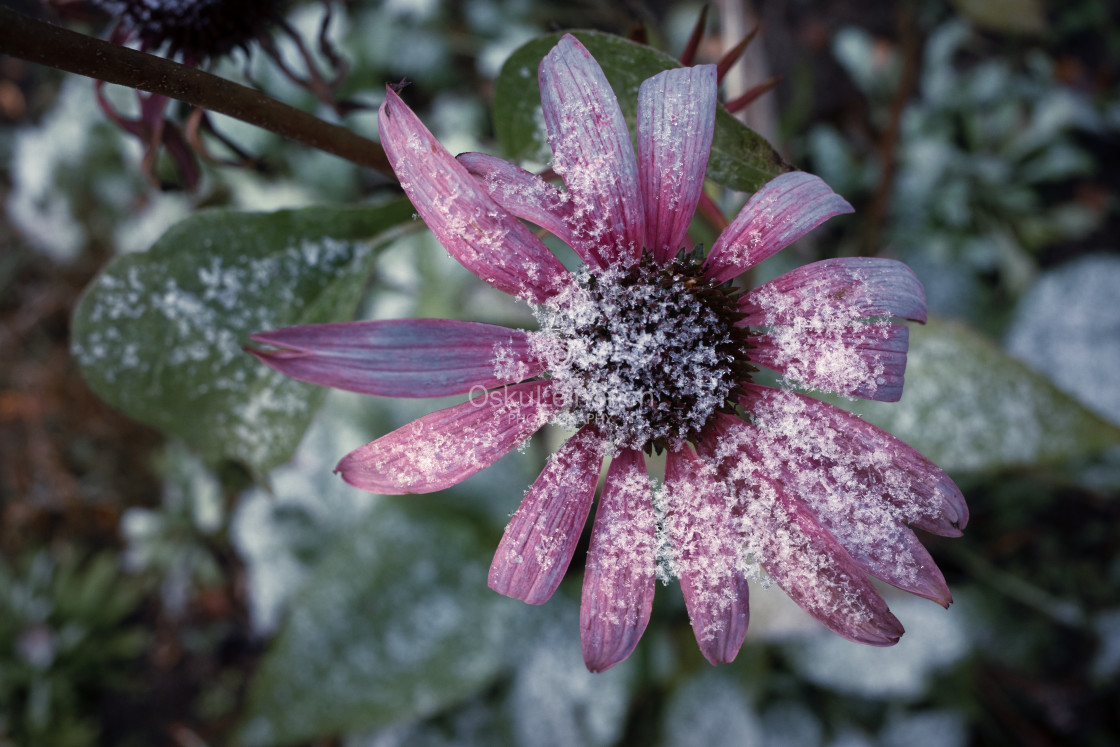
[[44, 44]]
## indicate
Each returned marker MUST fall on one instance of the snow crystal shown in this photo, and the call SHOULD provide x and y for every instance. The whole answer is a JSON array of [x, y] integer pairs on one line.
[[819, 344], [636, 351], [1063, 327]]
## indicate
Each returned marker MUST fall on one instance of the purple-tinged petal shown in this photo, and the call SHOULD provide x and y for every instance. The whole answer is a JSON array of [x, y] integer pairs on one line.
[[870, 529], [401, 357], [866, 462], [448, 446], [811, 565], [620, 577], [849, 287], [707, 553], [784, 210], [540, 539], [784, 536], [483, 237], [903, 562], [592, 153], [854, 359], [527, 196], [676, 119]]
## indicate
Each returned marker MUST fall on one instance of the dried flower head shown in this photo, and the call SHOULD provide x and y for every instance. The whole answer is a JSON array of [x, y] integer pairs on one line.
[[198, 32], [194, 30]]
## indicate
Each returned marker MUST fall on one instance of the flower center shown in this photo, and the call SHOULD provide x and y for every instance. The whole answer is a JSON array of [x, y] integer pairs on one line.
[[196, 29], [647, 352]]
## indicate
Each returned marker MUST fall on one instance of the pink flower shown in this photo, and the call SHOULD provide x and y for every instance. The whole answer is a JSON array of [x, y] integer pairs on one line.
[[648, 347]]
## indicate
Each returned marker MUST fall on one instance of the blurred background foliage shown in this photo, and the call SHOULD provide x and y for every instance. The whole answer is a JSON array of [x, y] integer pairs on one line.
[[157, 587]]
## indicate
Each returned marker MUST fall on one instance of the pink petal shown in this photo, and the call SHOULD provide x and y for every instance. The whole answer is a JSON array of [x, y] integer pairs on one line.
[[867, 463], [676, 119], [707, 550], [592, 153], [811, 565], [527, 196], [854, 359], [870, 529], [483, 237], [619, 580], [849, 287], [540, 539], [784, 210], [448, 446], [401, 358]]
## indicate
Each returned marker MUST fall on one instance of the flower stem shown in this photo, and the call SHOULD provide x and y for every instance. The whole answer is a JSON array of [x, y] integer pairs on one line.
[[45, 44]]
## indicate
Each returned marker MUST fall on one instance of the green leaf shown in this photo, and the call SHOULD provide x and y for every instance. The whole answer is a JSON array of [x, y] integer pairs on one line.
[[969, 406], [741, 159], [159, 335], [395, 624]]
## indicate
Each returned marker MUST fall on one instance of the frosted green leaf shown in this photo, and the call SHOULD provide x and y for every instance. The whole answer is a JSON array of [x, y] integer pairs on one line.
[[159, 335], [969, 406], [741, 158], [395, 624]]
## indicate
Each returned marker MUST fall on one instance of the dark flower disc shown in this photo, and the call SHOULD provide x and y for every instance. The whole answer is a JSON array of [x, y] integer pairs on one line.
[[194, 29]]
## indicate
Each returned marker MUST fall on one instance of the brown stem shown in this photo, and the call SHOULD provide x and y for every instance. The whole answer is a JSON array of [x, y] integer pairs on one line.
[[42, 43], [910, 43]]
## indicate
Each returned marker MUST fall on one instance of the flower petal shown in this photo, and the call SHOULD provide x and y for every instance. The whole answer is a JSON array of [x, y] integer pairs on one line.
[[857, 360], [870, 529], [784, 210], [707, 554], [527, 196], [868, 463], [448, 446], [811, 565], [539, 541], [619, 580], [483, 237], [849, 287], [676, 119], [402, 357], [592, 153]]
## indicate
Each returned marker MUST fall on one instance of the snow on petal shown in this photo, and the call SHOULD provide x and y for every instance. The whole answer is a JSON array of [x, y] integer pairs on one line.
[[870, 529], [446, 447], [620, 576], [707, 554], [854, 359], [539, 541], [811, 565], [527, 196], [866, 463], [784, 210], [401, 357], [676, 120], [592, 153], [482, 236], [850, 287]]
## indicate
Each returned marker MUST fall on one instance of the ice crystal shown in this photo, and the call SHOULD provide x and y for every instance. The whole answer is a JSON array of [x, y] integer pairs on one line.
[[647, 352], [647, 348]]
